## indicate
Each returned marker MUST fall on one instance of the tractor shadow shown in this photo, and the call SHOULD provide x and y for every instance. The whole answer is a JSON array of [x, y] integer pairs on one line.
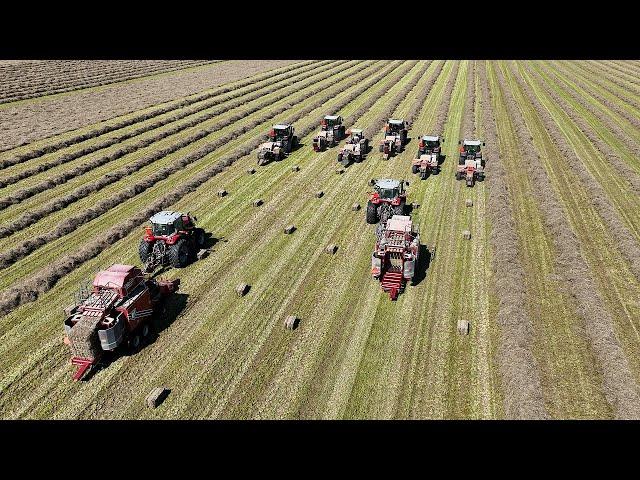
[[167, 314], [425, 258], [441, 159], [209, 240]]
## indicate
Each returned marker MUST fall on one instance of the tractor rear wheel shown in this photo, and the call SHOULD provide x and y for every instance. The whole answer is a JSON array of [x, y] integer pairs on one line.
[[144, 249], [372, 213], [179, 253], [414, 169], [346, 160], [399, 210], [200, 237], [423, 175]]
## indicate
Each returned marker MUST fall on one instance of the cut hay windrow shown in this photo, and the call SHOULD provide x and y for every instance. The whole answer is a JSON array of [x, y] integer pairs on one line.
[[72, 223], [519, 371], [61, 178], [165, 107], [620, 387], [626, 91], [612, 126], [611, 105], [416, 107], [61, 202], [468, 119], [38, 91], [29, 289], [628, 244], [622, 78]]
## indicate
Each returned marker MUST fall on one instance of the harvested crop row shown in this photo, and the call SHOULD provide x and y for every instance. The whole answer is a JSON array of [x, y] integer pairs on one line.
[[417, 105], [173, 106], [28, 93], [71, 223], [20, 195], [250, 229], [609, 125], [620, 75], [619, 384], [605, 97], [630, 68], [43, 281], [627, 242], [604, 77], [518, 367]]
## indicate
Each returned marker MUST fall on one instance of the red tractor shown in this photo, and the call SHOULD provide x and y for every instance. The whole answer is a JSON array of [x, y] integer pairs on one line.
[[429, 156], [388, 198], [355, 149], [395, 256], [281, 142], [116, 311], [471, 163], [395, 137], [331, 132], [171, 239]]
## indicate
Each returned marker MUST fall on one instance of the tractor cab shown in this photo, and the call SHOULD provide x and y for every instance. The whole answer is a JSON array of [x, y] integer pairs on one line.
[[471, 146], [394, 127], [280, 132], [166, 223], [356, 135], [430, 143], [330, 122], [388, 189]]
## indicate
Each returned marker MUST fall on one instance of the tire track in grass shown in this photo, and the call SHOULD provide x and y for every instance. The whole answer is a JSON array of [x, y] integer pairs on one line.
[[61, 202], [54, 143], [620, 387], [608, 130], [268, 220], [562, 363], [29, 289], [67, 226], [594, 179], [224, 104]]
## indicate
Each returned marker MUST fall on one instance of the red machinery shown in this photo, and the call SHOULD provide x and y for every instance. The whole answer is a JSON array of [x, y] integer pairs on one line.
[[395, 256], [331, 132], [117, 310], [387, 199], [395, 137]]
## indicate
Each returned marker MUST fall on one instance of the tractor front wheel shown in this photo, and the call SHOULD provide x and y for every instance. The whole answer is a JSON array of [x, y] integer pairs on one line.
[[179, 254], [144, 249], [372, 213], [414, 169]]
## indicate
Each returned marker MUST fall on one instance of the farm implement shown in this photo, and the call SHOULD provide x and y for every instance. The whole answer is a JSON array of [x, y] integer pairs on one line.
[[281, 142], [471, 164], [387, 199], [395, 138], [355, 149], [116, 311], [171, 239], [395, 256], [331, 132], [428, 159]]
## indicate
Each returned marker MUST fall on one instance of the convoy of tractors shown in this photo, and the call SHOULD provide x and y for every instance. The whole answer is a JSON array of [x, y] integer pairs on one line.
[[117, 311]]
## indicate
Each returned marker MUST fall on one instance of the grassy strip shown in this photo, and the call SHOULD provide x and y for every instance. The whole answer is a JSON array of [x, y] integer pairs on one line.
[[619, 384]]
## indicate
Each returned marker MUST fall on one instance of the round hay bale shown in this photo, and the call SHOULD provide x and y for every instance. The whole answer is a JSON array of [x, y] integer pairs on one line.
[[469, 202], [257, 202], [331, 249], [466, 234], [319, 194]]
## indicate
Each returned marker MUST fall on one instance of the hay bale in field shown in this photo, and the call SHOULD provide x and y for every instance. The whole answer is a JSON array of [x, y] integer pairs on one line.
[[319, 194], [355, 207], [202, 253], [289, 229], [84, 337], [340, 171], [222, 193], [251, 171], [291, 322], [415, 205], [257, 202], [331, 249], [295, 168], [156, 396], [242, 289], [469, 202], [467, 235], [463, 327]]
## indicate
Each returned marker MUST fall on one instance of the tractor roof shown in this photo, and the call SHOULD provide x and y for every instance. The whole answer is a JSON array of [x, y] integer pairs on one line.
[[387, 183], [429, 138], [331, 117], [165, 217], [472, 142], [397, 122], [281, 126], [399, 223], [356, 131]]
